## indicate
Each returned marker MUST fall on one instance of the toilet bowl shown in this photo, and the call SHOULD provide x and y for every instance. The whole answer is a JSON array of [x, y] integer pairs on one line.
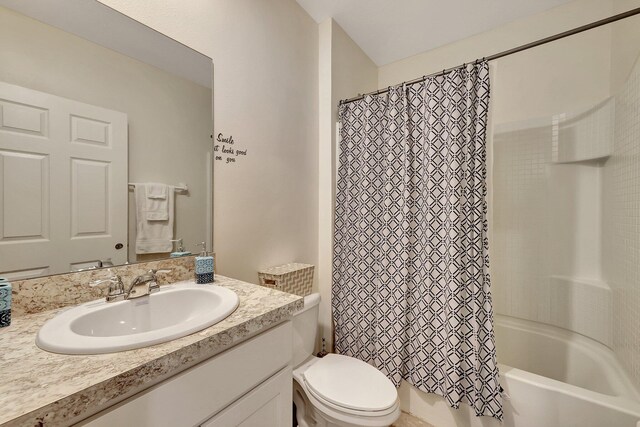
[[336, 390]]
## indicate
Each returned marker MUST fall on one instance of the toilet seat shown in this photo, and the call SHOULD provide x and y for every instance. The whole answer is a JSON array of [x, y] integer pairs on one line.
[[351, 386], [328, 407]]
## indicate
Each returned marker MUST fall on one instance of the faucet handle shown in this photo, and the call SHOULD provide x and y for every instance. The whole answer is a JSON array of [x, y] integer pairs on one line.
[[113, 278], [116, 287], [96, 283], [154, 273], [153, 287]]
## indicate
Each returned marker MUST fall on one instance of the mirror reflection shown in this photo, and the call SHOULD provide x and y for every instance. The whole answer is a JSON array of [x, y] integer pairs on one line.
[[105, 142]]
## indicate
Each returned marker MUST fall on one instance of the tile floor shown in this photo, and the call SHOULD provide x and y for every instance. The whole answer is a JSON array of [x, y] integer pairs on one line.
[[408, 420]]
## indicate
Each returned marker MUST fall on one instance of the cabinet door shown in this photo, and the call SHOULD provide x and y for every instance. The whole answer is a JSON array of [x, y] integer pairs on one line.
[[268, 405]]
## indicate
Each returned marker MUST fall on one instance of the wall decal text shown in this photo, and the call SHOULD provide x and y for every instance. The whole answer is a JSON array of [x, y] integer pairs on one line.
[[225, 149]]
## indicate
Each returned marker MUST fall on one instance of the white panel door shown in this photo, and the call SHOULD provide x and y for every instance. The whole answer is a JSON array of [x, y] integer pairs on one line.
[[63, 178]]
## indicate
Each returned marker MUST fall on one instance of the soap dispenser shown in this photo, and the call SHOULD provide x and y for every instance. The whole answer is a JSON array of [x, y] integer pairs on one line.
[[204, 266], [180, 251]]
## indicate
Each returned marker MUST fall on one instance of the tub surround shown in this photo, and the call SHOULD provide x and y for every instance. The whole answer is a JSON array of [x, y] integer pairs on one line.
[[37, 387]]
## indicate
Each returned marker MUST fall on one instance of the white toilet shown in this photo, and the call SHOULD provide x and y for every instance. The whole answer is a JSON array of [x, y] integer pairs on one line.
[[336, 390]]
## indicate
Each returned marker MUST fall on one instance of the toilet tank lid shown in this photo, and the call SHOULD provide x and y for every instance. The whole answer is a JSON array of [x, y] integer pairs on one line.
[[310, 301], [350, 383]]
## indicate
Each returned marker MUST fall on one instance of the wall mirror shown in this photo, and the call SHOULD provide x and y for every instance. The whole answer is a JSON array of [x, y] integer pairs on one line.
[[92, 105]]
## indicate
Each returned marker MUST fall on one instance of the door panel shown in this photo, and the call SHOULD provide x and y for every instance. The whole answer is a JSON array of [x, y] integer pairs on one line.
[[89, 198], [25, 196], [90, 131], [25, 119]]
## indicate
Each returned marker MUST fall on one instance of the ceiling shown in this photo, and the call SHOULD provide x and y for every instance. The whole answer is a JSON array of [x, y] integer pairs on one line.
[[390, 30]]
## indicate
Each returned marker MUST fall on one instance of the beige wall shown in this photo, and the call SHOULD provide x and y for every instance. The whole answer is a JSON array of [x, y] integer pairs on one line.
[[278, 79], [163, 110], [517, 33], [625, 44], [344, 70], [265, 58]]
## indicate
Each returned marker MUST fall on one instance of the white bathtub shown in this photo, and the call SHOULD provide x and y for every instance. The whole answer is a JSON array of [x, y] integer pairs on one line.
[[552, 378]]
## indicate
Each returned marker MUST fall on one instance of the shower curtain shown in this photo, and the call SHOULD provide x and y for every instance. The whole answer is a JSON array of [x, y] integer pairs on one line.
[[410, 291]]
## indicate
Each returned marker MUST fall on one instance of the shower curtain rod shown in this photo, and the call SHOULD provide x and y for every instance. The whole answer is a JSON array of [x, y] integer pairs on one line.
[[508, 52]]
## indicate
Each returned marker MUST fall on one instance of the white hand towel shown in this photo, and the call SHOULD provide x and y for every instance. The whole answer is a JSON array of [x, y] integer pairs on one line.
[[157, 203], [153, 236], [155, 190]]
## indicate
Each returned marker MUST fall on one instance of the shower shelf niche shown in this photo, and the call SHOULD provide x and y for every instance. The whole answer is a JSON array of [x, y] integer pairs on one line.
[[584, 136]]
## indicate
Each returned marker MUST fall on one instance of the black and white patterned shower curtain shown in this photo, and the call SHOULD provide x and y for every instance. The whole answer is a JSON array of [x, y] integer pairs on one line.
[[410, 266]]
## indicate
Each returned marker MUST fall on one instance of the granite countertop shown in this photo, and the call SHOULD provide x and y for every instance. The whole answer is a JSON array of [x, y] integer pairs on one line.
[[42, 388]]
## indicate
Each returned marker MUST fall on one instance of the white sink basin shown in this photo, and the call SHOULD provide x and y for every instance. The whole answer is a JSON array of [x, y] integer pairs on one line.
[[173, 312]]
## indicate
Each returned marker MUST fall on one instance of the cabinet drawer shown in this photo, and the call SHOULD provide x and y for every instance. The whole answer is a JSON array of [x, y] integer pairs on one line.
[[269, 404], [203, 390]]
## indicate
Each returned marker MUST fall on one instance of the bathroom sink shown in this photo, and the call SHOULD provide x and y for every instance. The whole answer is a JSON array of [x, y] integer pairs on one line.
[[172, 312]]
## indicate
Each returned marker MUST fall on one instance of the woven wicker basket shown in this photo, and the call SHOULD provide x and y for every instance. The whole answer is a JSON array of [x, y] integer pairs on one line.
[[294, 278]]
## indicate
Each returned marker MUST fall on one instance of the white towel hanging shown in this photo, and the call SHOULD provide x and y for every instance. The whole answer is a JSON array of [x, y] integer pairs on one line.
[[156, 204], [156, 191], [154, 220]]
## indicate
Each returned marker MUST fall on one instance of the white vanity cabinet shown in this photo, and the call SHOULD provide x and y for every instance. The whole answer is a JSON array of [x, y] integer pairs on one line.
[[247, 385]]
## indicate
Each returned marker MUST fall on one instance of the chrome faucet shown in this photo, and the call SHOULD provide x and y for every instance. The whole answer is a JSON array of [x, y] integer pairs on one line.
[[144, 284]]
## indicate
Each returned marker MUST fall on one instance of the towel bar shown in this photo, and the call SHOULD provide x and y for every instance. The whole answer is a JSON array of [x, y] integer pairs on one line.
[[180, 188]]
